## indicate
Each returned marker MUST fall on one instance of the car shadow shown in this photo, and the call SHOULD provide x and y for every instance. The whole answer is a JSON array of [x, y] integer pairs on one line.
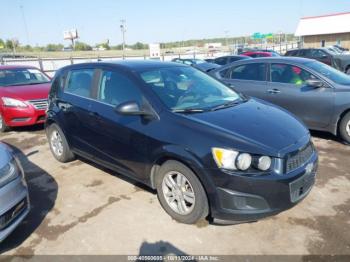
[[34, 128], [42, 189], [160, 248], [327, 136], [138, 185]]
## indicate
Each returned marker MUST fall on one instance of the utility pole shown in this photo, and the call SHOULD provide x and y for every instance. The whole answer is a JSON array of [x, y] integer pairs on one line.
[[123, 30]]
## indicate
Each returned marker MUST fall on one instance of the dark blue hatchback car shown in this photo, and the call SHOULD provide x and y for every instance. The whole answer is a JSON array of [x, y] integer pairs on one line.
[[208, 151]]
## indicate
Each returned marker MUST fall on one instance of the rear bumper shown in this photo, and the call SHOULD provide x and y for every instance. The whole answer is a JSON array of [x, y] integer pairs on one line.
[[22, 116], [243, 199]]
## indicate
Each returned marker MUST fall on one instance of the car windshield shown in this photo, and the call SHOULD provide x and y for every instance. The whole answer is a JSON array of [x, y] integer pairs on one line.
[[330, 72], [185, 88], [22, 76]]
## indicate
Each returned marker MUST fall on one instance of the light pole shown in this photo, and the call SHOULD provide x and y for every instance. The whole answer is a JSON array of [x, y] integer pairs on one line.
[[123, 30]]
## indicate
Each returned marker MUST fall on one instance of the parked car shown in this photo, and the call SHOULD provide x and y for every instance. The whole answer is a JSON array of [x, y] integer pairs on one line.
[[318, 94], [338, 61], [224, 60], [188, 61], [203, 147], [256, 54], [206, 67], [14, 203], [23, 96]]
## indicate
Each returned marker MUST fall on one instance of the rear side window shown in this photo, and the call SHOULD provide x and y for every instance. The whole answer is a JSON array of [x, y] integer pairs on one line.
[[115, 88], [254, 71], [289, 74], [80, 82], [221, 60]]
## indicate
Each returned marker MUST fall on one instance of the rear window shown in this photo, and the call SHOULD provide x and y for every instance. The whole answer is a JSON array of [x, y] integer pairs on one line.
[[80, 82]]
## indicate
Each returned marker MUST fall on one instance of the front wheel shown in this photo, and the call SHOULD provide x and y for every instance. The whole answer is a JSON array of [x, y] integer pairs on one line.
[[181, 193], [344, 128], [3, 126], [58, 144]]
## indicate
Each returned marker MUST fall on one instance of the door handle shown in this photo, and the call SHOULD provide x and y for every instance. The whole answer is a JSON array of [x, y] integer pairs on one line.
[[95, 114], [231, 85], [274, 91]]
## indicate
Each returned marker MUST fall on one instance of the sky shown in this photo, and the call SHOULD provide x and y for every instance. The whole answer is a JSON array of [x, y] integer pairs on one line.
[[39, 22]]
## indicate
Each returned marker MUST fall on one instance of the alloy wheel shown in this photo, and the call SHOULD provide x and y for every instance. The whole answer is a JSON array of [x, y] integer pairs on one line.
[[56, 143], [348, 128], [178, 193]]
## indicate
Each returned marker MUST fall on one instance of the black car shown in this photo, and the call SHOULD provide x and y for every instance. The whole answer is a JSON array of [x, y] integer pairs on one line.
[[317, 93], [203, 147], [324, 55], [224, 60]]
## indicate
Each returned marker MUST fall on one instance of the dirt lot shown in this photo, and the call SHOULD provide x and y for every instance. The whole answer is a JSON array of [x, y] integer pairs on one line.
[[79, 208]]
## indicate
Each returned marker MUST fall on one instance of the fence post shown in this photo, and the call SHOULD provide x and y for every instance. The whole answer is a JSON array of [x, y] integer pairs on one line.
[[2, 61], [41, 64], [71, 61]]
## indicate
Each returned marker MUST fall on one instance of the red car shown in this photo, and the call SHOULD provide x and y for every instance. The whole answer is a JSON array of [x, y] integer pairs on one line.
[[23, 96], [256, 54]]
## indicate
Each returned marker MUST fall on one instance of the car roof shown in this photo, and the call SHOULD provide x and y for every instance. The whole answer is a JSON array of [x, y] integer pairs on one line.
[[2, 67], [134, 65], [276, 59]]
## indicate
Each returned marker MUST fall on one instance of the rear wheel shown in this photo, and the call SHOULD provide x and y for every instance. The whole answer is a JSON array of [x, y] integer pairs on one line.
[[348, 70], [58, 144], [344, 128], [181, 193], [3, 126]]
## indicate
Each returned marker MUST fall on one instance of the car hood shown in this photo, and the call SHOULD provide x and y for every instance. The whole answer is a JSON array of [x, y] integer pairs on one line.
[[256, 123], [26, 92]]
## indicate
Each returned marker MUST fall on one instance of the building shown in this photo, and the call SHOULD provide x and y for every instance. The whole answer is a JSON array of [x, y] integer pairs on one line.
[[325, 30]]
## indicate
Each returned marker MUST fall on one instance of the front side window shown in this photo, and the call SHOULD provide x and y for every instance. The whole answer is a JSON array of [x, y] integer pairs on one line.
[[115, 88], [289, 74], [80, 82], [253, 71], [184, 88], [22, 76]]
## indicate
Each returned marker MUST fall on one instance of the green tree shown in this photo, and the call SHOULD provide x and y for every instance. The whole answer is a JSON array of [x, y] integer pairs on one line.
[[2, 44], [80, 46], [9, 44], [54, 47]]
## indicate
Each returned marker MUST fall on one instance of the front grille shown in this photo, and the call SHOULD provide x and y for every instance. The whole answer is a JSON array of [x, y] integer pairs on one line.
[[299, 158], [40, 104], [12, 214]]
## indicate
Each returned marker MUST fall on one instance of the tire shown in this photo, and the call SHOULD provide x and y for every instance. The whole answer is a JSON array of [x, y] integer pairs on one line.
[[58, 144], [344, 128], [3, 127], [189, 202], [347, 71]]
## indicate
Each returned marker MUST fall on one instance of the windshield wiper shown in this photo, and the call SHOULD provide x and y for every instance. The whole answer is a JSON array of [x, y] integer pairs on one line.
[[188, 110], [226, 105]]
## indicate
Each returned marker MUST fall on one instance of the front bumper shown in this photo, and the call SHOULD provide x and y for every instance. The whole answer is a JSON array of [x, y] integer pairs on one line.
[[14, 206], [28, 116], [248, 198]]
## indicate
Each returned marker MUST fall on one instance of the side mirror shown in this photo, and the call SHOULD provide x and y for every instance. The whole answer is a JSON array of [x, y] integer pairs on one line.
[[314, 83], [131, 108]]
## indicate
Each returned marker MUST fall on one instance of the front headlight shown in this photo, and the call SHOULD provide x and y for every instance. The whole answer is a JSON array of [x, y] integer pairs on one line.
[[234, 160], [13, 102], [9, 172]]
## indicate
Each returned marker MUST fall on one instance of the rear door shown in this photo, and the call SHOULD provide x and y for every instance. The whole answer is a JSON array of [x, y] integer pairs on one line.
[[249, 79], [75, 106], [287, 88]]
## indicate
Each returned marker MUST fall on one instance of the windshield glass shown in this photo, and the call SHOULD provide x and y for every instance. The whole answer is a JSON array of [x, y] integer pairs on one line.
[[22, 76], [185, 88], [330, 72]]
